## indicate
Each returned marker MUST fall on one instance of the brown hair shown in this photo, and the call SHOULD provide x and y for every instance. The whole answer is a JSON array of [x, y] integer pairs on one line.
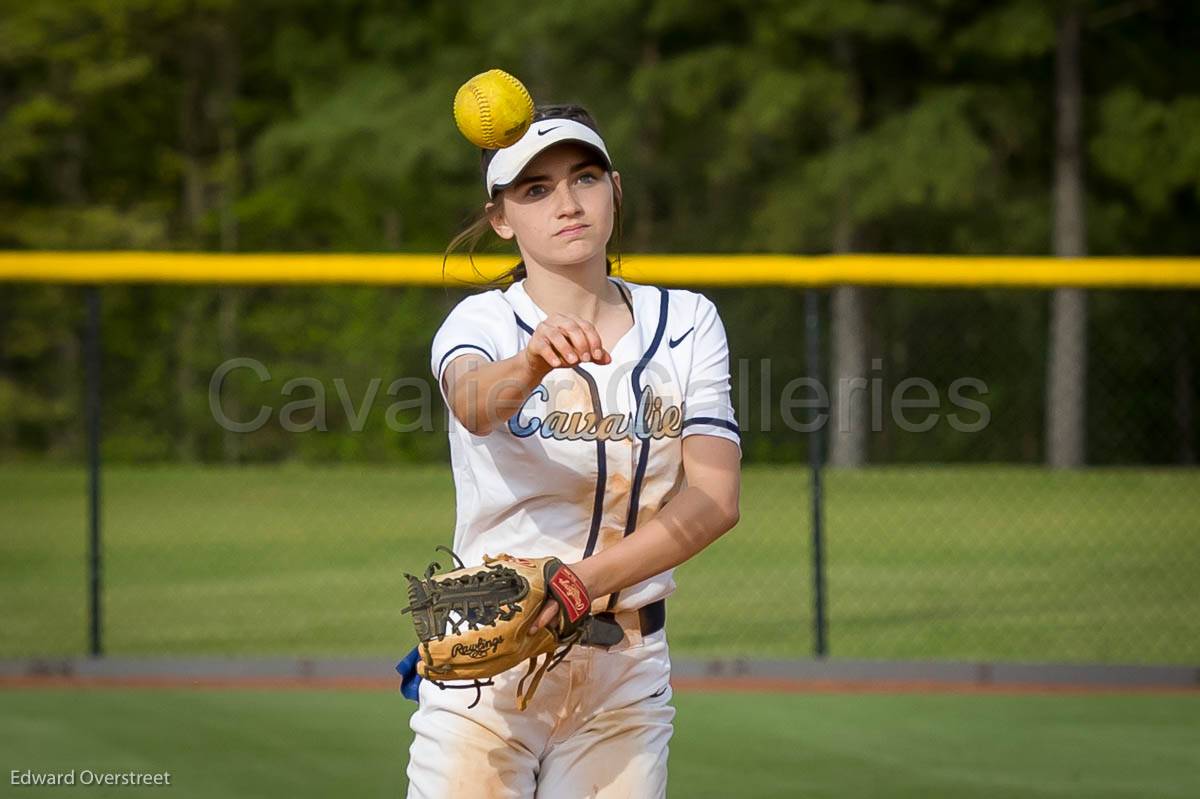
[[470, 236]]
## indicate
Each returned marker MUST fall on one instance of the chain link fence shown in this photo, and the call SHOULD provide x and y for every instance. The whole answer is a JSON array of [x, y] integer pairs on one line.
[[946, 535]]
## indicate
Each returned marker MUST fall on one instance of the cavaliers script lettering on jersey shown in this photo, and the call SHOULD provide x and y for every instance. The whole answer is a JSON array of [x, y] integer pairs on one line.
[[594, 450]]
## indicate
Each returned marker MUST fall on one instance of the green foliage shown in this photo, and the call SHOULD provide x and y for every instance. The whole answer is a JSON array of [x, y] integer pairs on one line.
[[1012, 30], [927, 158], [1150, 147], [90, 227]]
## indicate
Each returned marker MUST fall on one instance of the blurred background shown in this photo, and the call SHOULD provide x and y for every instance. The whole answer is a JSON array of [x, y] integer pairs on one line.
[[1065, 529], [770, 126]]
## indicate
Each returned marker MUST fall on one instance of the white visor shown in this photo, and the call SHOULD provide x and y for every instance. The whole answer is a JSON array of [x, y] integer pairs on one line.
[[508, 162]]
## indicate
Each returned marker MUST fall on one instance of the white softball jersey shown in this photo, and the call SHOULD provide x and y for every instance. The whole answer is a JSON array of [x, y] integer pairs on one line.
[[596, 449]]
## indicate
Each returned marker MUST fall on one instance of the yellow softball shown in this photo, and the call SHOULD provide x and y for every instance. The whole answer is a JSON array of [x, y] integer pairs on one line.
[[493, 109]]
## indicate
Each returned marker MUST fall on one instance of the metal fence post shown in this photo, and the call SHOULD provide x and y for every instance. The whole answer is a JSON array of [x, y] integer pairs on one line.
[[91, 348], [812, 324]]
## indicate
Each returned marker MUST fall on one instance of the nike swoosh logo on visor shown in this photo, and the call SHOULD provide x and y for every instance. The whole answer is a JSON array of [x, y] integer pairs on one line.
[[547, 130], [673, 343]]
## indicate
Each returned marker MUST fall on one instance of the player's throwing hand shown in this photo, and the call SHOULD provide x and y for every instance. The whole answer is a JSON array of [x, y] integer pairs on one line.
[[564, 340]]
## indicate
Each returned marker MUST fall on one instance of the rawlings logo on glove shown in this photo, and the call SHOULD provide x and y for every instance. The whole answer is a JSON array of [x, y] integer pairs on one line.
[[479, 649], [473, 623]]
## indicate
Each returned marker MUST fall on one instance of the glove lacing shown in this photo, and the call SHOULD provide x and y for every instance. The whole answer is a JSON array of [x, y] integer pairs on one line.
[[552, 659]]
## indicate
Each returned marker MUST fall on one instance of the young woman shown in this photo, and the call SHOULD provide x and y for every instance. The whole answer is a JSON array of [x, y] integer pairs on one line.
[[590, 420]]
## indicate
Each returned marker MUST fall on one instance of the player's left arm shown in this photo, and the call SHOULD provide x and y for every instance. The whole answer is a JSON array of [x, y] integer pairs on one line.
[[704, 510]]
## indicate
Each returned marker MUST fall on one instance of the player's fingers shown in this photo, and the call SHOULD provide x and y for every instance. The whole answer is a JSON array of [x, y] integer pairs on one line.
[[564, 346], [588, 331], [585, 337], [561, 351], [595, 345], [575, 331], [549, 611], [541, 347]]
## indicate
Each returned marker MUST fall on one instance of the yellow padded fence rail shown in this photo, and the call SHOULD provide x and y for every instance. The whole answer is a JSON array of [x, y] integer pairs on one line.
[[668, 270]]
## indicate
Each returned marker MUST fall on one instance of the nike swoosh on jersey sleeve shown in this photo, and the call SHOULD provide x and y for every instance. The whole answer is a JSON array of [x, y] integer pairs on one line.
[[675, 342]]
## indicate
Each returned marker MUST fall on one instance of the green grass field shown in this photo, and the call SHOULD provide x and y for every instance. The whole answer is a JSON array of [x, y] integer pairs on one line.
[[962, 563], [302, 744]]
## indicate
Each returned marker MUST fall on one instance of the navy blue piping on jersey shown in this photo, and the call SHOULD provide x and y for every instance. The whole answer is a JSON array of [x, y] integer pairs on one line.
[[601, 458], [635, 490], [458, 347], [714, 421], [601, 468], [644, 453]]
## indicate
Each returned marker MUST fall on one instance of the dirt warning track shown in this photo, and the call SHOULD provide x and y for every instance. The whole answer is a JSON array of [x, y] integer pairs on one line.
[[692, 676], [681, 684]]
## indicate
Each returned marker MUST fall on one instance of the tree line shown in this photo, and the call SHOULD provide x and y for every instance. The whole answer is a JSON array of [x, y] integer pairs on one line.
[[812, 126]]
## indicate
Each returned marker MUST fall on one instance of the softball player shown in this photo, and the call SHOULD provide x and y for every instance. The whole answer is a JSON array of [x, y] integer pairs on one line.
[[590, 420]]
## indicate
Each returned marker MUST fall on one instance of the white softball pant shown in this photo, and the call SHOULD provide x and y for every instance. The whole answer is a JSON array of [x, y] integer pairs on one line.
[[598, 726]]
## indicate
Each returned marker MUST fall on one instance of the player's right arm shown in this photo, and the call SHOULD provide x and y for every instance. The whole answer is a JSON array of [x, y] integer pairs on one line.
[[483, 394]]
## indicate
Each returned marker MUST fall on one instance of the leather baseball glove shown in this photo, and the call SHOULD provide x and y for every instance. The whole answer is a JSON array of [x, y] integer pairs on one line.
[[473, 623]]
